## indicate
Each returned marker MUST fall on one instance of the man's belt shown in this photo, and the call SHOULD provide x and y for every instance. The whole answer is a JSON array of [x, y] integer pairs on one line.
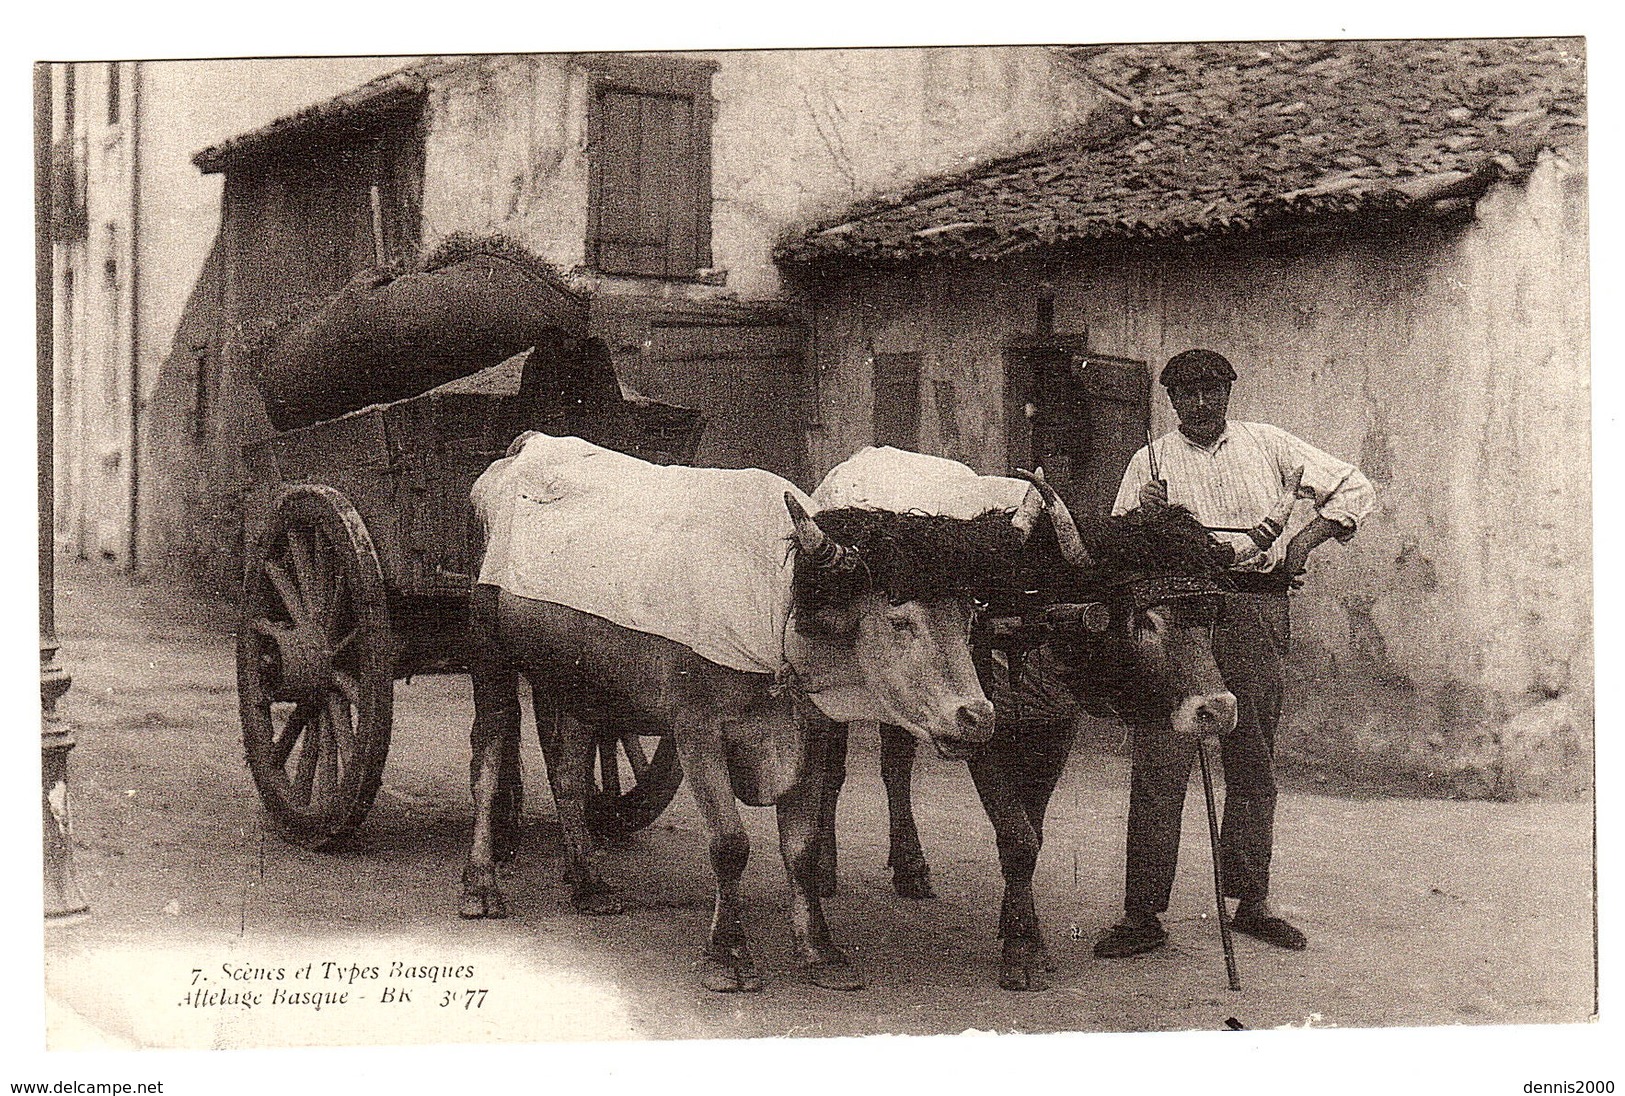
[[1261, 582]]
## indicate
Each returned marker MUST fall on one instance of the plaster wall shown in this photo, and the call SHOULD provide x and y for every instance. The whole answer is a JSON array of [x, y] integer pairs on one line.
[[92, 411], [1447, 648], [796, 135]]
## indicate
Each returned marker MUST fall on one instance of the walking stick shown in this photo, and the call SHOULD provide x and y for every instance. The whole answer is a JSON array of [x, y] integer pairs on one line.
[[1207, 792], [1218, 878]]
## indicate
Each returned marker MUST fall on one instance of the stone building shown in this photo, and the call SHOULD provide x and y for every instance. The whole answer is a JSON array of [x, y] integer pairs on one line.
[[986, 253], [131, 221]]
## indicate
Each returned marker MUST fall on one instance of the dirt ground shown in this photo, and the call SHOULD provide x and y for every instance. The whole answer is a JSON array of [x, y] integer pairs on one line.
[[1419, 912]]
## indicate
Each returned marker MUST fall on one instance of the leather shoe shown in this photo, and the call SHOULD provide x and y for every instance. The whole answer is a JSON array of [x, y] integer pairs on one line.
[[1271, 930], [1130, 938]]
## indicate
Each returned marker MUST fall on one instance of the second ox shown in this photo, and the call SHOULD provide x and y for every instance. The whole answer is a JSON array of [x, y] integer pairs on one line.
[[710, 606], [1123, 627]]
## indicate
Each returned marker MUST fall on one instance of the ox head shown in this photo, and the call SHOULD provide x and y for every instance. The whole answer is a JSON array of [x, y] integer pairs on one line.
[[883, 606], [1159, 577]]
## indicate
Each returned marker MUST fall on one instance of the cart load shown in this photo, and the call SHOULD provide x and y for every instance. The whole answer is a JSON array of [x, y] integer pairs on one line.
[[469, 304]]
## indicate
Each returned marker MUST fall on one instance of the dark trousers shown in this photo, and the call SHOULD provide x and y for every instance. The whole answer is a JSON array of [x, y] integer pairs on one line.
[[1250, 645]]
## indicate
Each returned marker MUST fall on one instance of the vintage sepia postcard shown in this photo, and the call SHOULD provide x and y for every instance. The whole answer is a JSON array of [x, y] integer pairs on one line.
[[605, 550]]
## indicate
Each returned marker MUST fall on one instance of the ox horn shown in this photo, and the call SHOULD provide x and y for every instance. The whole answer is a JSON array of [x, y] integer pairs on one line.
[[1066, 529], [1266, 532], [819, 548], [1026, 515]]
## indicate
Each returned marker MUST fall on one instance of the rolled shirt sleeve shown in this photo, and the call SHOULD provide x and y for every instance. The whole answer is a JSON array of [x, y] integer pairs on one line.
[[1342, 493], [1136, 476]]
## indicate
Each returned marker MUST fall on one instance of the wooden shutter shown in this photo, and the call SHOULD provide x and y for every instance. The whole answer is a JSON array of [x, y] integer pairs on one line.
[[897, 400], [647, 177], [1080, 416]]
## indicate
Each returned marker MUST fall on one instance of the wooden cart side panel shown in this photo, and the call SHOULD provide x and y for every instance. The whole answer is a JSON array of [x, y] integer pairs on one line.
[[443, 442], [352, 455]]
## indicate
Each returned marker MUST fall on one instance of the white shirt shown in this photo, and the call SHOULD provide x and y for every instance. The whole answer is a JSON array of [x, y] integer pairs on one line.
[[1235, 482]]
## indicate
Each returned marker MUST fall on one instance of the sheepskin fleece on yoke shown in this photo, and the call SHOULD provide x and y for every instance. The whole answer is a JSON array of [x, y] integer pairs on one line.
[[884, 478], [700, 556]]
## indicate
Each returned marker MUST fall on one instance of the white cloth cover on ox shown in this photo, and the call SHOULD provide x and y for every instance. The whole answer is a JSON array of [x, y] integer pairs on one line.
[[894, 479], [700, 556]]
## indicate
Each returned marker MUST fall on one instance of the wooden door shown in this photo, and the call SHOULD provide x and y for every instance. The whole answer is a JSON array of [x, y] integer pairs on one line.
[[1080, 416], [745, 377]]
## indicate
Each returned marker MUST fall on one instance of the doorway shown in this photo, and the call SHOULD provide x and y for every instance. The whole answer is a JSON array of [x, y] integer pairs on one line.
[[1079, 415]]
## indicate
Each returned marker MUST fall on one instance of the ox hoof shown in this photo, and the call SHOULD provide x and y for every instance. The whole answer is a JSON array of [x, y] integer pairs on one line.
[[598, 900], [487, 905], [730, 970], [1024, 966], [913, 882], [481, 896]]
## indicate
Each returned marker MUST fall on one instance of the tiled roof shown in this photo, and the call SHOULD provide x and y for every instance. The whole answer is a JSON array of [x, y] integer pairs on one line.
[[1212, 139], [379, 94]]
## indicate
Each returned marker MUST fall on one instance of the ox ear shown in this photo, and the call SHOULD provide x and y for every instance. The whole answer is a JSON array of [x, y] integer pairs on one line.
[[816, 545]]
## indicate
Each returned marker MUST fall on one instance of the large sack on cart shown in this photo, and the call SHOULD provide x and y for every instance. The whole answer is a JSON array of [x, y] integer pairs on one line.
[[470, 304]]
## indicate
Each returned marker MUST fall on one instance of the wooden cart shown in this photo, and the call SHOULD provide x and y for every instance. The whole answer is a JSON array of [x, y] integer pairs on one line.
[[361, 555]]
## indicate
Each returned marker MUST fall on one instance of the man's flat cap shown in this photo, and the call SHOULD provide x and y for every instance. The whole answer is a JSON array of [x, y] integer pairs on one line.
[[1196, 366]]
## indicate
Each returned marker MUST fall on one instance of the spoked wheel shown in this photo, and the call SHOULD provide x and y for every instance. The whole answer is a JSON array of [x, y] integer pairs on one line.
[[634, 778], [315, 670]]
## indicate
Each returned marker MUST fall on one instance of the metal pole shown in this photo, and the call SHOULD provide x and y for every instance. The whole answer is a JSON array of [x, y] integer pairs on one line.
[[63, 899], [1218, 878], [1207, 794]]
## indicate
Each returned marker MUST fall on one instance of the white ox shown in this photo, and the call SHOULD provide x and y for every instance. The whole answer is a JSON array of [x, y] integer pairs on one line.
[[754, 735]]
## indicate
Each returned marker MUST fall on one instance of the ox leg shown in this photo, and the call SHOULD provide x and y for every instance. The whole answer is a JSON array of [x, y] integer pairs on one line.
[[496, 721], [800, 817], [1024, 962], [726, 965], [1043, 756], [567, 745], [510, 800], [911, 875], [834, 778]]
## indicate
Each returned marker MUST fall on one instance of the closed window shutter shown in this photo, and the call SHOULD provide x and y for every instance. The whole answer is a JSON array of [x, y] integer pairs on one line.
[[897, 400], [647, 175]]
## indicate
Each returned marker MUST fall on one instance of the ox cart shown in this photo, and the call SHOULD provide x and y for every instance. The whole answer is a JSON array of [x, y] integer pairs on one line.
[[361, 554]]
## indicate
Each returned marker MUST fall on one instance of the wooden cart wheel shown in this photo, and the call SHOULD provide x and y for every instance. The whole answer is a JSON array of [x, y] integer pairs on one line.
[[634, 778], [315, 666]]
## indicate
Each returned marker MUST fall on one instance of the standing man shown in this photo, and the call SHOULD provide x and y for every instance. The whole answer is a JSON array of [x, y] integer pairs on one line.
[[1230, 475]]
